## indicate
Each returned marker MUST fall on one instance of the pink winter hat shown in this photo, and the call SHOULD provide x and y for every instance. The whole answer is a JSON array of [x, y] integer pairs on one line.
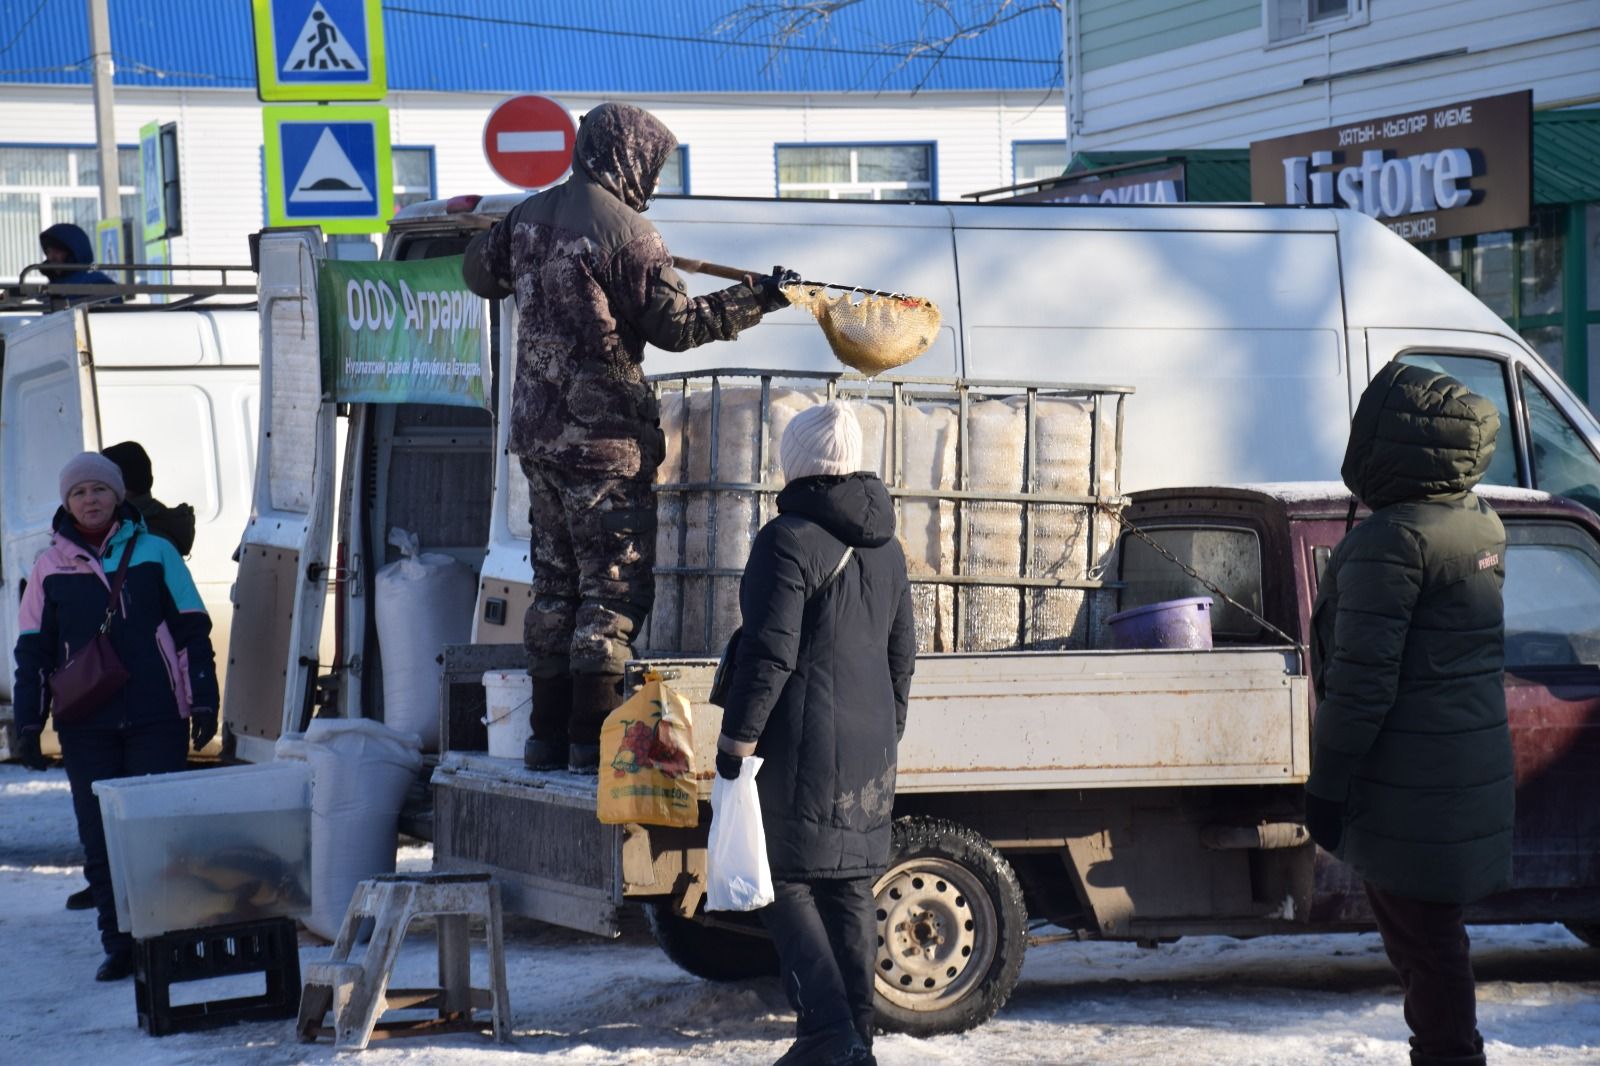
[[92, 466]]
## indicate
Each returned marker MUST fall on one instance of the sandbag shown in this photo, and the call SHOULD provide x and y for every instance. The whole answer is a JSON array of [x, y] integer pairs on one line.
[[360, 772], [422, 603]]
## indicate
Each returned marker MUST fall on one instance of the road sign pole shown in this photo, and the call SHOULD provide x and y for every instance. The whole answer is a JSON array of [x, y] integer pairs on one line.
[[105, 123]]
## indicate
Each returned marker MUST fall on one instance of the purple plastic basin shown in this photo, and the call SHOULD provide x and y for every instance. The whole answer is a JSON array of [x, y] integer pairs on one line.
[[1182, 623]]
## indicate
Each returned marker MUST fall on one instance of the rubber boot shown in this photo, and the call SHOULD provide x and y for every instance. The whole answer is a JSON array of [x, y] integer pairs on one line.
[[546, 749], [593, 697]]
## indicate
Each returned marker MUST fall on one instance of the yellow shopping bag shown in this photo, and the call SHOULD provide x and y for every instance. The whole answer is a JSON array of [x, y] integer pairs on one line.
[[647, 760]]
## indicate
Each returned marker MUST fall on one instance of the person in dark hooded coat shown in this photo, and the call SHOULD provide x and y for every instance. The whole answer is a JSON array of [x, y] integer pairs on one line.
[[68, 243], [820, 683], [594, 284], [1411, 773]]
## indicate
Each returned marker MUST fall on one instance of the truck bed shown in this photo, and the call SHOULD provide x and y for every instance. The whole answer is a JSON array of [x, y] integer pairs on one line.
[[977, 723]]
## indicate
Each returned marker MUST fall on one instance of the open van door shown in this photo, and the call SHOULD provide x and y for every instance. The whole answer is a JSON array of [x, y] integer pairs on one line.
[[279, 594], [47, 415]]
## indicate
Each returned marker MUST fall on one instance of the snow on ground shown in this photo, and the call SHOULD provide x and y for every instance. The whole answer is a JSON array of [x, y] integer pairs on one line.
[[582, 1001]]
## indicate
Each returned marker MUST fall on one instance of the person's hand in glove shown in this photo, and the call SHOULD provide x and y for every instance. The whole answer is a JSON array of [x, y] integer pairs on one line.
[[1325, 821], [769, 288], [202, 726], [728, 766], [28, 753]]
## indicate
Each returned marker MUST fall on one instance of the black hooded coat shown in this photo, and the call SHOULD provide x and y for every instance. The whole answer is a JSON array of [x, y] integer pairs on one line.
[[821, 681], [1408, 649]]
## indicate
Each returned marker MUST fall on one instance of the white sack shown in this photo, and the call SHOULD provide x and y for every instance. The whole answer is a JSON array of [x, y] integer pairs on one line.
[[360, 771], [422, 602], [737, 875]]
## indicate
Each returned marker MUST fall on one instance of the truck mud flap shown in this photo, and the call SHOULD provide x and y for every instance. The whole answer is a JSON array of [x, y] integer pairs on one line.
[[536, 833]]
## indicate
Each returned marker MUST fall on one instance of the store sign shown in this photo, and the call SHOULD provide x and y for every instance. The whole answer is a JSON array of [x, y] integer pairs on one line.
[[402, 332], [1145, 187], [1429, 174]]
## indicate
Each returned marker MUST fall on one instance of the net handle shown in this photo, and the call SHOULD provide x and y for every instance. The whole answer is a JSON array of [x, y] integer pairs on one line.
[[730, 273]]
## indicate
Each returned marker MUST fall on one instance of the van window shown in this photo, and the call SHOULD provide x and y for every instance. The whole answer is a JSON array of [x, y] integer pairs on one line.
[[1562, 461], [1485, 376], [1229, 558], [1552, 585]]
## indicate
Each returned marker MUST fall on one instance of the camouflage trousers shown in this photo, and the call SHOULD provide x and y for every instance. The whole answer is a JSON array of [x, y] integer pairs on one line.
[[593, 550]]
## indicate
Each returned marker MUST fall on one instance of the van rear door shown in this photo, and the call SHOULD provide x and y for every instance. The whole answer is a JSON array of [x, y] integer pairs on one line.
[[47, 415], [280, 592]]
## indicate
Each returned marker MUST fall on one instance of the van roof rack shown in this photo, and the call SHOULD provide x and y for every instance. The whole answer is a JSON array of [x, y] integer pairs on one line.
[[47, 296]]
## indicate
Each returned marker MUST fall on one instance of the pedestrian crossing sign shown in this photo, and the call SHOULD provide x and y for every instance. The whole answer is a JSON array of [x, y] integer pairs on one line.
[[328, 167], [319, 50]]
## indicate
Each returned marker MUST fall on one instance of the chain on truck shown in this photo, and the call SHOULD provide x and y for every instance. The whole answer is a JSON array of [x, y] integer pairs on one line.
[[1050, 785]]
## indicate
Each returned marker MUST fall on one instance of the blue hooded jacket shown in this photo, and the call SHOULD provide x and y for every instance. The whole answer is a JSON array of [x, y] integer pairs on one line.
[[79, 250]]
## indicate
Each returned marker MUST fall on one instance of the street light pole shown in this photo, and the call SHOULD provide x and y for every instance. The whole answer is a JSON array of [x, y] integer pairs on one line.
[[105, 127]]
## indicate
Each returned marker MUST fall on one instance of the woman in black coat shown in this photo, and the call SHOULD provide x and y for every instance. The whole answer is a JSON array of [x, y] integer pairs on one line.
[[819, 692]]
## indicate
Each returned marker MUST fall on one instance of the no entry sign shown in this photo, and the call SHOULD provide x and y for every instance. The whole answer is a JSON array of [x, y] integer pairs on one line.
[[528, 141]]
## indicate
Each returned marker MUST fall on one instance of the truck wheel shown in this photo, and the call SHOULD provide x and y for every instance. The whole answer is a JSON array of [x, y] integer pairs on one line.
[[708, 951], [1589, 934], [952, 928]]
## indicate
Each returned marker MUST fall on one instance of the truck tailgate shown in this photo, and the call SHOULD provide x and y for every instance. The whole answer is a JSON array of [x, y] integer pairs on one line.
[[536, 833]]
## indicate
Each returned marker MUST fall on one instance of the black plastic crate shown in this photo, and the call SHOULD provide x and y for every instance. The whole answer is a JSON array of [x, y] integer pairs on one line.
[[266, 947]]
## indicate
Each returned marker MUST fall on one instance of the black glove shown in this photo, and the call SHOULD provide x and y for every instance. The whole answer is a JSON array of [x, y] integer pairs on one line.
[[769, 288], [202, 726], [1325, 821], [28, 753], [728, 766]]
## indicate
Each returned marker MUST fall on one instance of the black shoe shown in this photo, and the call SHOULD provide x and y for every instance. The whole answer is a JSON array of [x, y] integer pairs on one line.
[[544, 755], [117, 966], [81, 900], [583, 758]]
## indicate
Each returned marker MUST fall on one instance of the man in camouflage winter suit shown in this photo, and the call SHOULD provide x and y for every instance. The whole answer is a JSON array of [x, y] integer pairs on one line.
[[594, 284]]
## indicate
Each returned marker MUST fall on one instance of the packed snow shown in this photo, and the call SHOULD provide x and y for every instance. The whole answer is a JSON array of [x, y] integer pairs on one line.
[[580, 1000]]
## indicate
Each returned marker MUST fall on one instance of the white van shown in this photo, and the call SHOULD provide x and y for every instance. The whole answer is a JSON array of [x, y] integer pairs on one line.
[[183, 383], [1247, 332]]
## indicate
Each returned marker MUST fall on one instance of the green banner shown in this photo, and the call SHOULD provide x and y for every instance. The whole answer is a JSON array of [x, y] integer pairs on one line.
[[406, 332]]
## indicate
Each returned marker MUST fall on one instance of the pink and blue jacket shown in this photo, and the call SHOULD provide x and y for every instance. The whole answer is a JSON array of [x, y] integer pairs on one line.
[[161, 630]]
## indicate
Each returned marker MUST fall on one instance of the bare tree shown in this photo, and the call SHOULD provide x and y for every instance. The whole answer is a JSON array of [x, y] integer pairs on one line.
[[943, 26]]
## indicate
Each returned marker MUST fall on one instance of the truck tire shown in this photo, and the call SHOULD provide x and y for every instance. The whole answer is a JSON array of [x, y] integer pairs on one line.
[[711, 952], [1588, 933], [952, 929]]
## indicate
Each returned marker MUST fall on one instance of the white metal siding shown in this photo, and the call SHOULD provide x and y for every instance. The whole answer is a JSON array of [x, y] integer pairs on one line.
[[1233, 90]]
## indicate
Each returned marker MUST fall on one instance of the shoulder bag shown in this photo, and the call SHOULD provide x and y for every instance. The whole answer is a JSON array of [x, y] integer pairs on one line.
[[94, 673]]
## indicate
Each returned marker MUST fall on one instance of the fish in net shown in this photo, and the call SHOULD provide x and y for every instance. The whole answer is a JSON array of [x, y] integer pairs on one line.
[[873, 334]]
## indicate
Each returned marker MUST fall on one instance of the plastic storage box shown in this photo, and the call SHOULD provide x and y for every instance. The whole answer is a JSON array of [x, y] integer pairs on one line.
[[208, 847]]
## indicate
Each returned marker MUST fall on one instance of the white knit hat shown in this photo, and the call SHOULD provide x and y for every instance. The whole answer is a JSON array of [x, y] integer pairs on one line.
[[821, 440], [92, 466]]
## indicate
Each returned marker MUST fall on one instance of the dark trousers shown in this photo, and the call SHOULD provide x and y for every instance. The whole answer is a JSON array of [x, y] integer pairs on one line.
[[1428, 946], [826, 934], [94, 755]]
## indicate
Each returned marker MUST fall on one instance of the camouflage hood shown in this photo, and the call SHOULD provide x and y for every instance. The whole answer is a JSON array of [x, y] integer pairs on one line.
[[622, 148], [1417, 435]]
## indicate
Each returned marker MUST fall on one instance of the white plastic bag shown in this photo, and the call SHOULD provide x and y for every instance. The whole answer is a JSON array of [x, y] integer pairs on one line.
[[737, 873], [423, 601]]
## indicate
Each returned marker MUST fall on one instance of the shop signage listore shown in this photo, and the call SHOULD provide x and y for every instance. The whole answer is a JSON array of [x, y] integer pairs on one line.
[[1427, 174]]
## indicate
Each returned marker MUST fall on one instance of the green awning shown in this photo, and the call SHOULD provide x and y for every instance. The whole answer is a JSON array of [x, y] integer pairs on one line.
[[1566, 162]]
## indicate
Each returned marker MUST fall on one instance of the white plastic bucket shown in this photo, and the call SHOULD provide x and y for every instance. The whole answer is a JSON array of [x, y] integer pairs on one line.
[[509, 698]]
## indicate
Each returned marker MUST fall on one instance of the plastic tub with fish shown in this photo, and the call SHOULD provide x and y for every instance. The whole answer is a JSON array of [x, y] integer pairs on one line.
[[208, 847]]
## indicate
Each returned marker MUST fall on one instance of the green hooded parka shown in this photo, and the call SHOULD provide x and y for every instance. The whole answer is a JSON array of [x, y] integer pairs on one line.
[[1408, 649]]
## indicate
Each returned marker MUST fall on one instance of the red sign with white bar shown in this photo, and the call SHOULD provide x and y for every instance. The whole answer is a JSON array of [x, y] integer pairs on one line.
[[528, 141]]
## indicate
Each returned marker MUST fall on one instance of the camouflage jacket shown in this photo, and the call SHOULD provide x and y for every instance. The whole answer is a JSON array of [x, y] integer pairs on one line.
[[594, 284]]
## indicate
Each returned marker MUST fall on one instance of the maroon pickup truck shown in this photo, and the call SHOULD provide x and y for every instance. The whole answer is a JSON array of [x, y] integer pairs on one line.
[[1275, 542]]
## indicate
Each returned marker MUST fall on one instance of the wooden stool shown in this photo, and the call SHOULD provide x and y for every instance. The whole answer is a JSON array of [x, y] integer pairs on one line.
[[358, 993]]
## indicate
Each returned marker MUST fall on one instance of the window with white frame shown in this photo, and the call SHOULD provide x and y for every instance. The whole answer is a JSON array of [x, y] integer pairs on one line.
[[1037, 160], [674, 180], [42, 185], [1289, 20], [855, 172], [413, 175]]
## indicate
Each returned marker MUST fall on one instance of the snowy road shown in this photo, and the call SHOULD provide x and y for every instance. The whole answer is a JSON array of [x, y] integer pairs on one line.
[[578, 1000]]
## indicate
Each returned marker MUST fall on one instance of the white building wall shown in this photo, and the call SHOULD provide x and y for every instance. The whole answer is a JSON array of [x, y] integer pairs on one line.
[[1233, 90], [730, 140]]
